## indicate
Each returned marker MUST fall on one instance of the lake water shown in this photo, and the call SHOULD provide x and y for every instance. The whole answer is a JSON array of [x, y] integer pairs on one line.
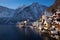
[[11, 32]]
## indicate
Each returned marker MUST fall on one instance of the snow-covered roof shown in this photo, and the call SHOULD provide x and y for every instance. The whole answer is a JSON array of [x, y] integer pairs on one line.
[[58, 12]]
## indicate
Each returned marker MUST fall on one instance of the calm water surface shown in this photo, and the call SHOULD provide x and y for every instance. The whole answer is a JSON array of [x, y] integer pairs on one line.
[[11, 32]]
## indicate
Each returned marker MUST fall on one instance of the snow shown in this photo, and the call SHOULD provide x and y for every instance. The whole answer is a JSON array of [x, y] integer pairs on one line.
[[6, 12], [33, 12]]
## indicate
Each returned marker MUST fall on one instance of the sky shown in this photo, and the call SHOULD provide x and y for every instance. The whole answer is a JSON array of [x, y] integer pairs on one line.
[[13, 4]]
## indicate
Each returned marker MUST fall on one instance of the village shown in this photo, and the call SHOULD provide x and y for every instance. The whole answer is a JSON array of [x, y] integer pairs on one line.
[[48, 24], [45, 24]]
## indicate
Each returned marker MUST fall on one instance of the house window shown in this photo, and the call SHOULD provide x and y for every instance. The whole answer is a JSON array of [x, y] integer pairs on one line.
[[58, 19]]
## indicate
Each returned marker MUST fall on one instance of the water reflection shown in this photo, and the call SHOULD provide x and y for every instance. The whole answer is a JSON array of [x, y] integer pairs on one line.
[[11, 32]]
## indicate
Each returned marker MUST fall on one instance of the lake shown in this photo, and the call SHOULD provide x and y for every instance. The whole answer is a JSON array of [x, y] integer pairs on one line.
[[11, 32]]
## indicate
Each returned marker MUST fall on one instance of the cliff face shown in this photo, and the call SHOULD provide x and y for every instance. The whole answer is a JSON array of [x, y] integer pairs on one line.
[[54, 6]]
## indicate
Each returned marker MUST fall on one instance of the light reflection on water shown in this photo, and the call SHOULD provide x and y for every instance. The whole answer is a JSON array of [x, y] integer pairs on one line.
[[11, 32]]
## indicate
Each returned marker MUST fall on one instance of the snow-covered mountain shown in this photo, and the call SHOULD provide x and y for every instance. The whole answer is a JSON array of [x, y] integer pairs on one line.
[[6, 14], [32, 12]]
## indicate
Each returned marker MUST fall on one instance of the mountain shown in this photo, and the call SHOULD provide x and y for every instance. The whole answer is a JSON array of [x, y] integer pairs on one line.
[[32, 12], [54, 6], [6, 14]]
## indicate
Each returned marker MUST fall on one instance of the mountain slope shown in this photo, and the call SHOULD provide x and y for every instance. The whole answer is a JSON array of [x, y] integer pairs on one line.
[[32, 12], [54, 6], [6, 14]]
